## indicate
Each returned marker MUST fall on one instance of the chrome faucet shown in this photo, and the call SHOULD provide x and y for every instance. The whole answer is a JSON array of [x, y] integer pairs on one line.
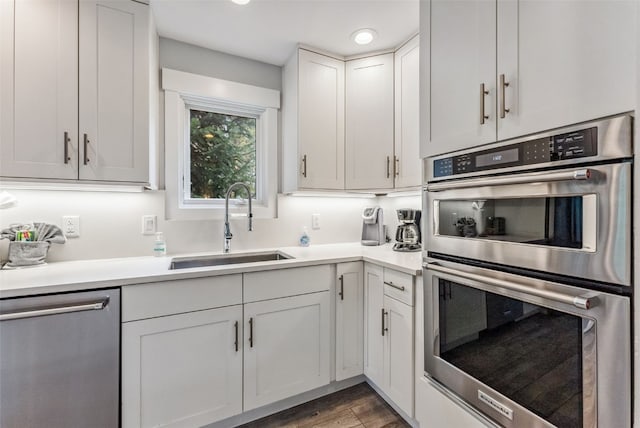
[[227, 230]]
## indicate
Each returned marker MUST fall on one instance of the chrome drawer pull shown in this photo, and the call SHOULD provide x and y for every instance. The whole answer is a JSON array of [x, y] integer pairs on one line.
[[574, 175], [580, 302], [397, 287], [93, 306]]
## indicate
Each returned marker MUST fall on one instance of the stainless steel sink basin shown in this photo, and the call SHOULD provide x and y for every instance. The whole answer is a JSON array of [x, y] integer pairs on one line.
[[226, 259]]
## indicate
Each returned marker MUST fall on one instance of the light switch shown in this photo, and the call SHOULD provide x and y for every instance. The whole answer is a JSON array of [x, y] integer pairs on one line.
[[148, 224]]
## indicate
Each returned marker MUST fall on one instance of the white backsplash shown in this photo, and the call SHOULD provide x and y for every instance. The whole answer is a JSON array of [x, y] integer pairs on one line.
[[110, 222]]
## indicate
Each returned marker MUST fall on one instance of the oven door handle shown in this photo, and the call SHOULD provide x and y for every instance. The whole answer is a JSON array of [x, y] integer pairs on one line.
[[578, 174], [581, 302]]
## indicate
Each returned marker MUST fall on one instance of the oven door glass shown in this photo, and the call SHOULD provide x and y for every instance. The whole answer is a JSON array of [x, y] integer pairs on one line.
[[565, 222], [531, 354]]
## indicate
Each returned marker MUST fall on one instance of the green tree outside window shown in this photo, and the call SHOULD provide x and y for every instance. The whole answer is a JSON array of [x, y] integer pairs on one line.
[[223, 152]]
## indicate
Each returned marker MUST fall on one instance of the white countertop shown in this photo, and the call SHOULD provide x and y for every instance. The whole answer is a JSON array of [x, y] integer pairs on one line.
[[93, 274]]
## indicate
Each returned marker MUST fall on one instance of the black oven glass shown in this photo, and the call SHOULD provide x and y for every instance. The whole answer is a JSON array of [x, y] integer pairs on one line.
[[530, 354], [550, 221]]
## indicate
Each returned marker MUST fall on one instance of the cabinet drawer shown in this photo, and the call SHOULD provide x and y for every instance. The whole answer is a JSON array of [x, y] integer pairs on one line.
[[286, 282], [174, 297], [399, 286]]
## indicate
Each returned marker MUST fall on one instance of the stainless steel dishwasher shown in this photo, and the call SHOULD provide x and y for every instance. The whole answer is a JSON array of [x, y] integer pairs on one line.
[[60, 360]]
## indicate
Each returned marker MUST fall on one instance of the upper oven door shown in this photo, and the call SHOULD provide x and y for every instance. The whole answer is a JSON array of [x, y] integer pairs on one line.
[[573, 222]]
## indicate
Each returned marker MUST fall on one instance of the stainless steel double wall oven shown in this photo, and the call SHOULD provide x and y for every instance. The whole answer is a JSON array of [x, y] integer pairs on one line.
[[528, 276]]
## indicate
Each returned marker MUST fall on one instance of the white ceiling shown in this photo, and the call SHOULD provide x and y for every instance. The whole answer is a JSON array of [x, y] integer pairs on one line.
[[268, 30]]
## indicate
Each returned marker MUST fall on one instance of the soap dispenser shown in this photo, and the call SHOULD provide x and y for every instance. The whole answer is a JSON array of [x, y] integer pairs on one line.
[[160, 245]]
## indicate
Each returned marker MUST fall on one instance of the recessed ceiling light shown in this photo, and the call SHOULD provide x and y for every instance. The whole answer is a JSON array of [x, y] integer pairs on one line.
[[364, 36], [241, 1]]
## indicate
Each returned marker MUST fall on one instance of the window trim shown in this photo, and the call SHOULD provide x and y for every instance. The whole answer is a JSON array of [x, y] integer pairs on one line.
[[184, 91]]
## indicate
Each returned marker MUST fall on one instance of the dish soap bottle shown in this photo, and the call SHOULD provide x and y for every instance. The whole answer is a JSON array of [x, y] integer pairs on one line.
[[160, 245], [304, 240]]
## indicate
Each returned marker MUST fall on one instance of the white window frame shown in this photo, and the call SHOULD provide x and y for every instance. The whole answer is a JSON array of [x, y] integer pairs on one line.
[[185, 91]]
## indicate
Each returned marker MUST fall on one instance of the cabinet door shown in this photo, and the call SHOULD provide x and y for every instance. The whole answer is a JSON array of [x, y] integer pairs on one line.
[[408, 168], [369, 123], [182, 370], [463, 56], [114, 90], [349, 320], [320, 121], [373, 314], [39, 88], [565, 62], [398, 354], [287, 348]]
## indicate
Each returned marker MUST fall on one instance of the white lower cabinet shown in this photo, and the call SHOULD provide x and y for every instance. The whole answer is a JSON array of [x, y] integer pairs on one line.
[[389, 348], [287, 347], [182, 370], [349, 320]]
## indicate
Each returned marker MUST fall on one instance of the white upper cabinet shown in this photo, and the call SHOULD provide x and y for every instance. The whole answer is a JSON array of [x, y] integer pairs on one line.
[[407, 167], [38, 88], [502, 69], [114, 91], [565, 62], [313, 122], [369, 123], [68, 69], [463, 58]]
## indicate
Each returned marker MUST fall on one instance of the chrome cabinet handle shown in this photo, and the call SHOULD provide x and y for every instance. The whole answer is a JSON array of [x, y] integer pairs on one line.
[[86, 148], [91, 306], [341, 293], [236, 336], [581, 302], [397, 287], [578, 175], [67, 158], [383, 327], [396, 166], [304, 166], [388, 167], [503, 108], [483, 93], [251, 332]]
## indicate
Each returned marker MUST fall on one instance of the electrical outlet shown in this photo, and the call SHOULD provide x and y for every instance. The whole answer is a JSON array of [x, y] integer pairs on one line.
[[315, 221], [71, 226], [149, 224]]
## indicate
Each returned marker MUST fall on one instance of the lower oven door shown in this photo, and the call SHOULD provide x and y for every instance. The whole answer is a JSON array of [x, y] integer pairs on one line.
[[526, 352]]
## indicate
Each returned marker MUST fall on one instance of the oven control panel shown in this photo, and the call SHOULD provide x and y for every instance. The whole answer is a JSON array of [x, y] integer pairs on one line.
[[577, 144]]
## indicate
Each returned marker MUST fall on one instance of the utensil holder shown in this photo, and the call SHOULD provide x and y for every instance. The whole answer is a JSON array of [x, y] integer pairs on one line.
[[27, 253]]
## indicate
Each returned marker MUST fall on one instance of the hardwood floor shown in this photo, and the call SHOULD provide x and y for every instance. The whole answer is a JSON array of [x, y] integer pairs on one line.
[[357, 406]]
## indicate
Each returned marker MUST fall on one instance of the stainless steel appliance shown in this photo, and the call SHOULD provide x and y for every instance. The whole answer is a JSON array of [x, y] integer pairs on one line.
[[557, 203], [527, 276], [373, 230], [408, 236], [60, 360], [528, 352]]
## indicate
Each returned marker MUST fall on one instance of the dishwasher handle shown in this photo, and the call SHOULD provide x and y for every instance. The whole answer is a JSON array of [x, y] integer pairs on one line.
[[30, 313]]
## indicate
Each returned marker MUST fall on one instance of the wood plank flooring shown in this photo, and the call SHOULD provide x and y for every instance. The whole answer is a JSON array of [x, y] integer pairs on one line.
[[358, 406]]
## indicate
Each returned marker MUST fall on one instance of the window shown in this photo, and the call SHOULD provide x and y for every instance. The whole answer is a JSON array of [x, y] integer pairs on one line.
[[218, 133], [222, 152]]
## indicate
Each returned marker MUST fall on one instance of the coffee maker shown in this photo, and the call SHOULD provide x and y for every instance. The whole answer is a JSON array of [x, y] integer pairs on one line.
[[408, 236], [372, 226]]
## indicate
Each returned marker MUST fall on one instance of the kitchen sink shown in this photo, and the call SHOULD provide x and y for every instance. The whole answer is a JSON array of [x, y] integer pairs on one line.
[[226, 259]]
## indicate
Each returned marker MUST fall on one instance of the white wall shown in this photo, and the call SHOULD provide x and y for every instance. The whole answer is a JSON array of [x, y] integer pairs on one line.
[[110, 223]]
